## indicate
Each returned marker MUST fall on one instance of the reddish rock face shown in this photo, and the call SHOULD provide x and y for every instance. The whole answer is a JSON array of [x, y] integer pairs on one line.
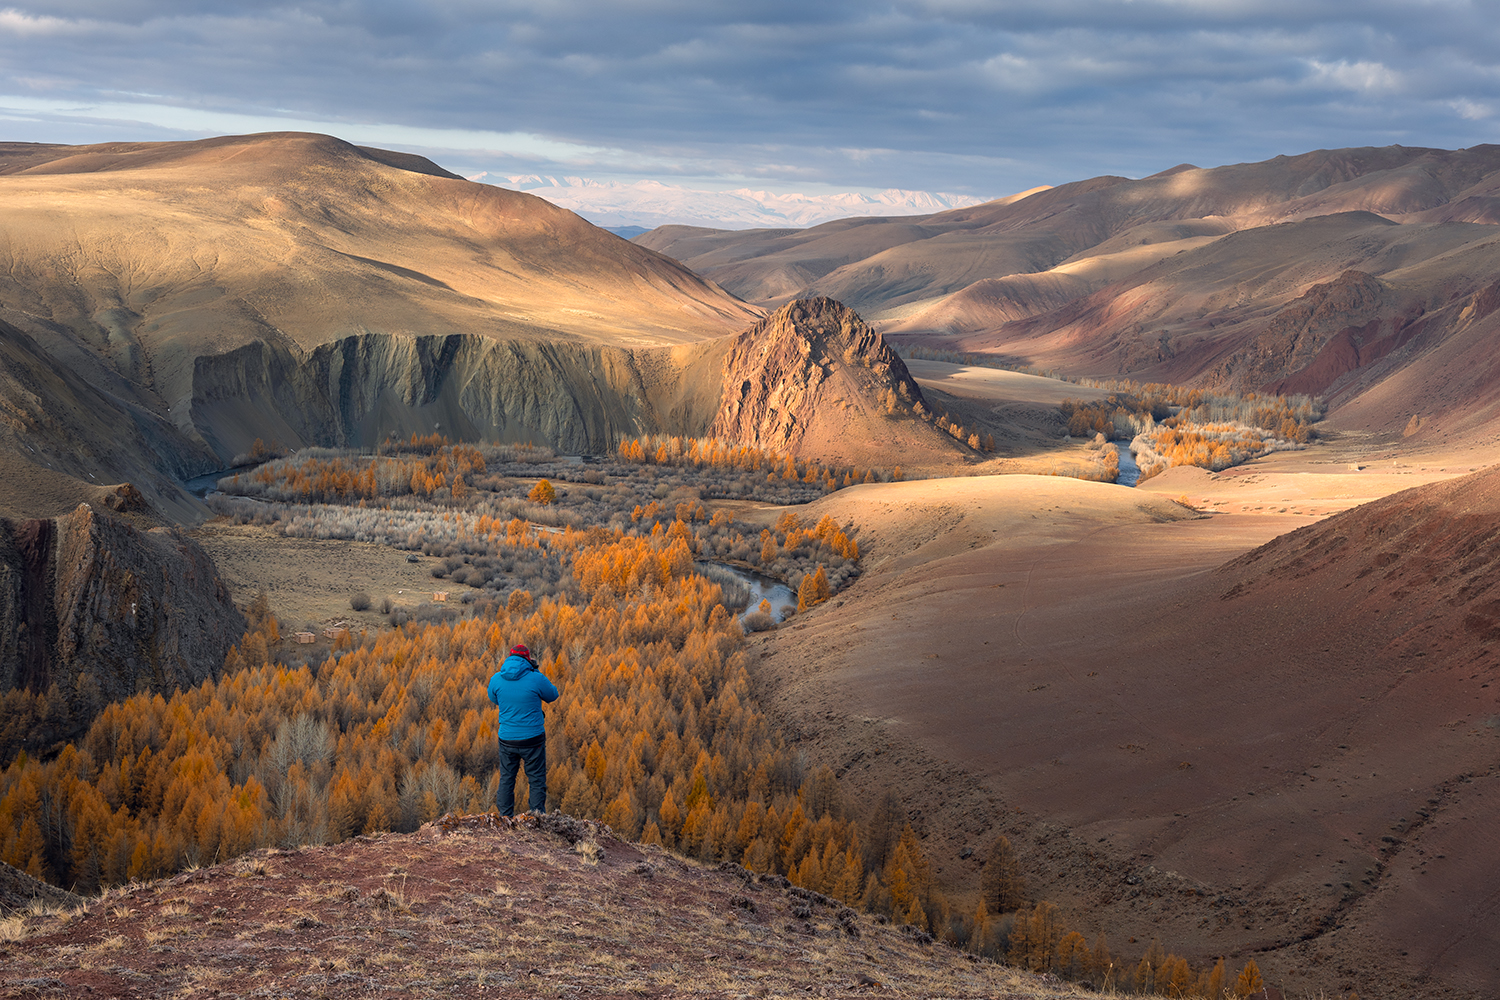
[[1329, 331]]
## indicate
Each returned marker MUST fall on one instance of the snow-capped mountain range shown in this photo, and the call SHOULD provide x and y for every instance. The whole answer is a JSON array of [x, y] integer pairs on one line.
[[651, 203]]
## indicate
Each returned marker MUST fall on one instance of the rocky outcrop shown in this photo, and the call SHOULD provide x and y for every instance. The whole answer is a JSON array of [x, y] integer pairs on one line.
[[799, 366], [1330, 330], [93, 610], [814, 361]]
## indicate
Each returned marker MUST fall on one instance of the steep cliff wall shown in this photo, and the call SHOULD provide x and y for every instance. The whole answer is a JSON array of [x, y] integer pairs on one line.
[[93, 610], [824, 385], [354, 392], [812, 379]]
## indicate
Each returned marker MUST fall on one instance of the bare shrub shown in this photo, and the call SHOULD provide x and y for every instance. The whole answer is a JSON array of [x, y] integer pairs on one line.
[[360, 601], [758, 621]]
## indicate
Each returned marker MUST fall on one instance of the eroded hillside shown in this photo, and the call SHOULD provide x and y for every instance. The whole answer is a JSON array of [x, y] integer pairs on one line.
[[1361, 274]]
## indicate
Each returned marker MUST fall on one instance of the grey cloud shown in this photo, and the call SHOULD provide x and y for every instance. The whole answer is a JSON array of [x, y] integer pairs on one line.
[[937, 94]]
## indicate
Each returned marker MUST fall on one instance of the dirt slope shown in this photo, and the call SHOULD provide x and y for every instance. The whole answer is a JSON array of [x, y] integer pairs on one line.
[[471, 907], [1291, 756], [20, 892]]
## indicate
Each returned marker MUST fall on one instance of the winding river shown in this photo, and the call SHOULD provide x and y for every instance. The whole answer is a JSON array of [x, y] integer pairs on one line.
[[762, 588], [1130, 473]]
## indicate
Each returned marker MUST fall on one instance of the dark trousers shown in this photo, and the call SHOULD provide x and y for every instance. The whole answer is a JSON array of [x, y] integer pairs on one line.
[[533, 753]]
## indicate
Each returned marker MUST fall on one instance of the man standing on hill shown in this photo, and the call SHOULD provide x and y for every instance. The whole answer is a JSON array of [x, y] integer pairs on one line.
[[518, 690]]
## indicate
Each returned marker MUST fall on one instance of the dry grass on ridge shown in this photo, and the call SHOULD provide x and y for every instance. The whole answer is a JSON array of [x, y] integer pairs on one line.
[[480, 907]]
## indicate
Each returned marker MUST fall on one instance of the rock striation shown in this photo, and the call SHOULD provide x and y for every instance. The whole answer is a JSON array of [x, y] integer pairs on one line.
[[811, 378], [1329, 331], [94, 610], [810, 371]]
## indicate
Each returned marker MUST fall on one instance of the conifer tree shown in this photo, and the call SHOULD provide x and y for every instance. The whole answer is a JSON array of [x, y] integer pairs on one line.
[[1072, 961], [1001, 884], [1214, 989], [258, 610], [1102, 964], [1145, 976], [980, 931], [1043, 930], [1175, 978], [813, 590], [1249, 981]]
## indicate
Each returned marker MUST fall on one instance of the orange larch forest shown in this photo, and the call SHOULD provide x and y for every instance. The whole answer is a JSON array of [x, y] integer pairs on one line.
[[657, 733]]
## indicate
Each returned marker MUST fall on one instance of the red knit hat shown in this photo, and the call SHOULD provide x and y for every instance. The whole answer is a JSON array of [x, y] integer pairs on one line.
[[519, 649]]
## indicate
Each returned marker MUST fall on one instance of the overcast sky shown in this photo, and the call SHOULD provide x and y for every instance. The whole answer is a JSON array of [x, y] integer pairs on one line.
[[952, 96]]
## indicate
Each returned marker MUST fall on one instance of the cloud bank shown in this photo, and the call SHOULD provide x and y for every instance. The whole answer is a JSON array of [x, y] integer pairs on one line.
[[975, 98], [648, 204]]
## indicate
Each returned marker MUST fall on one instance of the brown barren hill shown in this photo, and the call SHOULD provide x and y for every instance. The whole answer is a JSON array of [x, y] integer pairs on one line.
[[477, 906], [142, 252], [1291, 756], [194, 296], [1362, 275], [882, 264], [130, 261]]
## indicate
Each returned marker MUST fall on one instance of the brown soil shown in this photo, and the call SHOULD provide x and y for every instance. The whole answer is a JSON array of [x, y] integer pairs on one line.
[[1264, 775], [479, 907], [20, 892]]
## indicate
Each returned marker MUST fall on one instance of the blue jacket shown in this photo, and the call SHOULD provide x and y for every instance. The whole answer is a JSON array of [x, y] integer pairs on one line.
[[519, 689]]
